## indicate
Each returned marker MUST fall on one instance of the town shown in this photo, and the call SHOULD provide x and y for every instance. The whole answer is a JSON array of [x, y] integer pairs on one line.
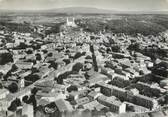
[[76, 73]]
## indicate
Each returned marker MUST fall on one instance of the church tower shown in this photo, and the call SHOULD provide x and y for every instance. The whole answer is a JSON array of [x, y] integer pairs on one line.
[[71, 22]]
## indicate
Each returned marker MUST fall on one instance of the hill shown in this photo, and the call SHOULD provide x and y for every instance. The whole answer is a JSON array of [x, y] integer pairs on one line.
[[82, 10]]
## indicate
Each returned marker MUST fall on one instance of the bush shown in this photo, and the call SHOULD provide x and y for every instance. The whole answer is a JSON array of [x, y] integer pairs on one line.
[[77, 55], [38, 57], [72, 88], [67, 61], [6, 58], [13, 87], [53, 65], [77, 67], [88, 57]]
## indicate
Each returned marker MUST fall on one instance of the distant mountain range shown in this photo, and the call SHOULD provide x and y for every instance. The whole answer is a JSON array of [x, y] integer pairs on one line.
[[86, 10], [81, 10]]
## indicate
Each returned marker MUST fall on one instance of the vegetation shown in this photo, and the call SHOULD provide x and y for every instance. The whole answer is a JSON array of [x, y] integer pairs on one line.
[[13, 87], [6, 58], [128, 24], [19, 27], [78, 55], [77, 67], [54, 29], [13, 106], [72, 88]]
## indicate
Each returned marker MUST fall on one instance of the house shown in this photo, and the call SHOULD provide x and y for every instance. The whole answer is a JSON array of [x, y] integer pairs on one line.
[[149, 64], [136, 108], [146, 101], [24, 65], [27, 110], [74, 95], [3, 51], [78, 94], [132, 72], [91, 105], [5, 68], [93, 95], [119, 92], [46, 98], [114, 104], [105, 88], [63, 106], [107, 71], [4, 104], [97, 77], [60, 63], [82, 101], [3, 93], [43, 71]]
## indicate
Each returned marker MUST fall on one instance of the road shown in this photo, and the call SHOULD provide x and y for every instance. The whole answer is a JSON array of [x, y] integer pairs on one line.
[[51, 76]]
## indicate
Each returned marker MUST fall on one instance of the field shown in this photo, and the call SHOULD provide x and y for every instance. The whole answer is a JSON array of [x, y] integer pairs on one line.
[[146, 24]]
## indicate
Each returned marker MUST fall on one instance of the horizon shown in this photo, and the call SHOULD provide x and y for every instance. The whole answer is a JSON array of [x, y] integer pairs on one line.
[[116, 5], [75, 9]]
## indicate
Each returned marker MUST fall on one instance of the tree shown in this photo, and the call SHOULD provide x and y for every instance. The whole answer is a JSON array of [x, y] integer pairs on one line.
[[54, 29], [115, 48], [6, 58], [72, 88], [63, 76], [50, 54], [67, 61], [34, 70], [77, 55], [32, 77], [25, 99], [134, 47], [77, 67], [44, 51], [95, 63], [34, 91], [67, 51], [14, 105], [88, 57], [14, 68], [32, 99], [22, 46], [13, 87], [1, 86], [38, 57], [1, 75], [92, 49], [53, 65], [29, 51]]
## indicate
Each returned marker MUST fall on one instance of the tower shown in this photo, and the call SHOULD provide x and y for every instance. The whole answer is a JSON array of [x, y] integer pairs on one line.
[[71, 22]]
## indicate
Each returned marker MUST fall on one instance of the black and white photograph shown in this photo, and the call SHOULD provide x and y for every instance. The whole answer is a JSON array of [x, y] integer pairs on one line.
[[83, 58]]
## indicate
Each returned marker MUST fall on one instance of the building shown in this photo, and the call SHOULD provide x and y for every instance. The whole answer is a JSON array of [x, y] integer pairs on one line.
[[24, 65], [82, 101], [71, 22], [119, 92], [93, 95], [63, 106], [3, 93], [111, 102], [110, 90], [146, 101], [28, 110], [105, 88]]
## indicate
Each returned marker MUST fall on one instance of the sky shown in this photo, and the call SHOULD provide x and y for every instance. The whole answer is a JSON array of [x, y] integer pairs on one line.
[[118, 5]]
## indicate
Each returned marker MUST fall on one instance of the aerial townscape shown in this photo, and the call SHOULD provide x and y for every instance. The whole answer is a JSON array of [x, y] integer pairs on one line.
[[83, 66]]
